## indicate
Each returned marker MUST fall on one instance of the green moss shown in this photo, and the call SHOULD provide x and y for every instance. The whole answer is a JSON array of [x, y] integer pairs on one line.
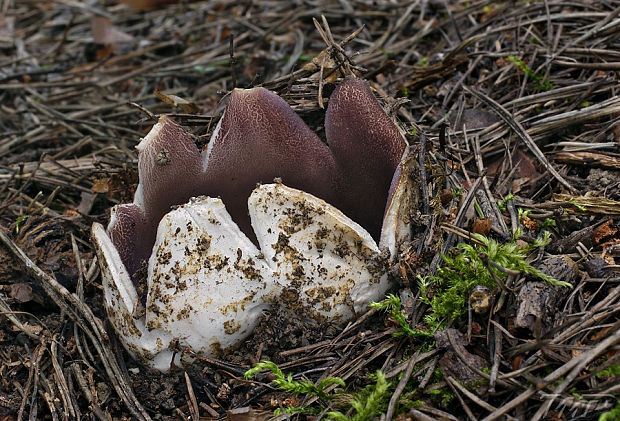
[[612, 370], [287, 384], [393, 306], [501, 204], [458, 192], [20, 220], [447, 293], [366, 403], [542, 83], [442, 396], [611, 415]]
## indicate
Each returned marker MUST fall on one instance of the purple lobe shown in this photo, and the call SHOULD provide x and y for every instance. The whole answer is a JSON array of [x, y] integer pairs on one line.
[[367, 147], [260, 138]]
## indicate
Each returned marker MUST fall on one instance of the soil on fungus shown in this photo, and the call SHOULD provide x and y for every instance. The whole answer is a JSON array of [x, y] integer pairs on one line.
[[513, 114]]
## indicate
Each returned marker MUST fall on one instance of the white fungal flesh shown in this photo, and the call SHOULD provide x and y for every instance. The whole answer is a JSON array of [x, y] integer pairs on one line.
[[121, 303], [396, 221], [208, 283], [326, 264]]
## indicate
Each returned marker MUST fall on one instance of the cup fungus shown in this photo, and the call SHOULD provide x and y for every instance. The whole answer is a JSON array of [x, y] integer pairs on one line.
[[232, 249]]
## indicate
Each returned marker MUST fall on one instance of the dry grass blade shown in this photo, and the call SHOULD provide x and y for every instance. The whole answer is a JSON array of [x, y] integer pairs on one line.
[[571, 369], [523, 135], [82, 316]]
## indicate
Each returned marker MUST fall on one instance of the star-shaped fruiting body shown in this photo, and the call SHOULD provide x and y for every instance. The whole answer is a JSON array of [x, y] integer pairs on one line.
[[310, 241]]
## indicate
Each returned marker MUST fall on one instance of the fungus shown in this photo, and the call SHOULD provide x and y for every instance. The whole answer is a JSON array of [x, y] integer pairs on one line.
[[231, 249], [367, 147]]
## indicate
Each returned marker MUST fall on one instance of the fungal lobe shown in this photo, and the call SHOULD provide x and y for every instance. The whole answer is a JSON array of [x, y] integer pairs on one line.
[[170, 169], [259, 138], [127, 231], [221, 250], [367, 147]]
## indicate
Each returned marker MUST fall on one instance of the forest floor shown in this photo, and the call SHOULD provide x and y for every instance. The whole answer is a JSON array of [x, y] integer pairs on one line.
[[514, 111]]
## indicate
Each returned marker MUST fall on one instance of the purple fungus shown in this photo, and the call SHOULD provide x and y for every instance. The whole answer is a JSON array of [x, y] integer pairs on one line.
[[260, 138], [128, 231], [367, 147], [170, 170]]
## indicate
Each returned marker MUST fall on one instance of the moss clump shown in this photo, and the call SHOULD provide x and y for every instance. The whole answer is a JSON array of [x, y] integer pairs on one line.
[[287, 384], [368, 402], [365, 404], [393, 306], [447, 293]]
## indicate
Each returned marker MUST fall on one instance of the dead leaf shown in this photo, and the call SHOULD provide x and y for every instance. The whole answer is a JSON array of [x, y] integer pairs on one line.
[[482, 226], [87, 200], [104, 52], [608, 251], [605, 230], [107, 34], [603, 333], [21, 292], [473, 119], [529, 223], [517, 361], [71, 212], [101, 185], [522, 169], [522, 164], [185, 105], [325, 60]]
